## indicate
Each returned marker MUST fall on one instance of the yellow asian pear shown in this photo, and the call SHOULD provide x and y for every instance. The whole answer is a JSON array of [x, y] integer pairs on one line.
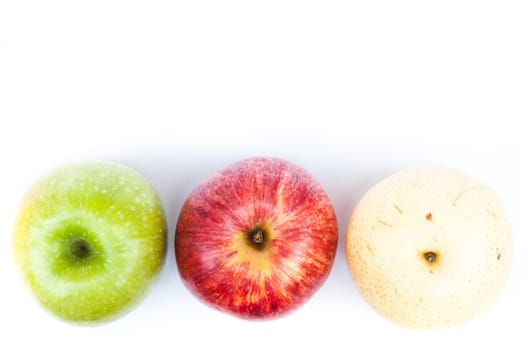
[[429, 247]]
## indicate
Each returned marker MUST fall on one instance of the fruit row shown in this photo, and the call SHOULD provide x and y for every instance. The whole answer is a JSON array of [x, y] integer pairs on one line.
[[427, 247]]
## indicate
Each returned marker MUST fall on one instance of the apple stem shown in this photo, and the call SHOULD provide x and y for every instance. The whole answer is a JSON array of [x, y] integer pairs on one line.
[[80, 249], [256, 237]]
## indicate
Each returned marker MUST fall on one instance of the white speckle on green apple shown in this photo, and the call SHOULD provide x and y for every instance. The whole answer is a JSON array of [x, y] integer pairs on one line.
[[90, 239]]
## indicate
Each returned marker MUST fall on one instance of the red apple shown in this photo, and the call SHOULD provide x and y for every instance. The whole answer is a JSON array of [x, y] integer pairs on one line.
[[257, 239]]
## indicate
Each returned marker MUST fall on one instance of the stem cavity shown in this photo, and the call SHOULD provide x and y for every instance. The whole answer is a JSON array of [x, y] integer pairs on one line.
[[257, 237]]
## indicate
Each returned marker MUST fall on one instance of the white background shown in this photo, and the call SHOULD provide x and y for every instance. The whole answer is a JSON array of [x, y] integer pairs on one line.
[[350, 90]]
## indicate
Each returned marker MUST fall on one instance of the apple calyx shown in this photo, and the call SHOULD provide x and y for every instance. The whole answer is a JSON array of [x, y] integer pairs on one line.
[[257, 237]]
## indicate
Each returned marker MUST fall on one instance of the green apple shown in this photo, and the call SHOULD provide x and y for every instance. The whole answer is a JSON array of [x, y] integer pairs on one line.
[[90, 239]]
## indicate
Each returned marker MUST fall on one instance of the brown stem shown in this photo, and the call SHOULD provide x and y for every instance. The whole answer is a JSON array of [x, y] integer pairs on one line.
[[257, 237], [430, 256]]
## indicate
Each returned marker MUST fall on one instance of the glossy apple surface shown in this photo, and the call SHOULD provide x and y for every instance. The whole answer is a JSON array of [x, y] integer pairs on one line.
[[429, 247], [257, 239], [90, 239]]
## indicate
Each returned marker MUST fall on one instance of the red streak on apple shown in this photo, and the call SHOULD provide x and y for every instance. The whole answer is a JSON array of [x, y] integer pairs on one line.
[[218, 262]]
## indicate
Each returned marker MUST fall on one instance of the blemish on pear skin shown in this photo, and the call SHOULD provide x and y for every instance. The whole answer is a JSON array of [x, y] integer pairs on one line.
[[462, 193], [384, 223], [398, 209]]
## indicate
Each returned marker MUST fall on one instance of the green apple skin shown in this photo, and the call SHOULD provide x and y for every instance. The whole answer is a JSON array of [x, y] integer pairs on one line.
[[90, 239]]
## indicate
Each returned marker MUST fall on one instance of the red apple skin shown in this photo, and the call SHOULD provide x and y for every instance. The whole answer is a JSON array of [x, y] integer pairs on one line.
[[218, 263]]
